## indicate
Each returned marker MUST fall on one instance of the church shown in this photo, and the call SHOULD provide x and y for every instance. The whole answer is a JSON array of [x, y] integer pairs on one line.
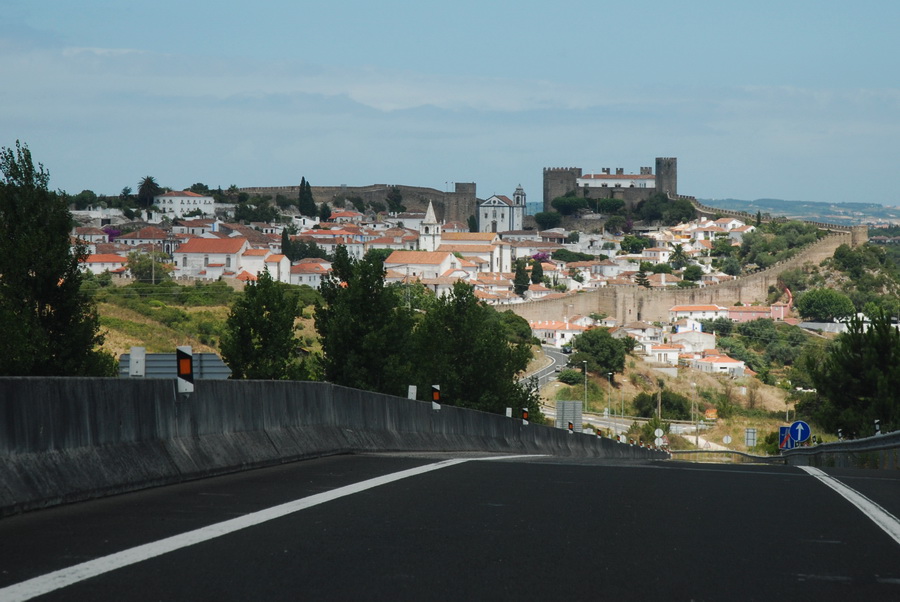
[[500, 214]]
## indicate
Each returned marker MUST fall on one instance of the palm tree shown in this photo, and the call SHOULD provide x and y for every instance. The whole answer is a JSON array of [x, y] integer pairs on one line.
[[147, 189], [678, 259]]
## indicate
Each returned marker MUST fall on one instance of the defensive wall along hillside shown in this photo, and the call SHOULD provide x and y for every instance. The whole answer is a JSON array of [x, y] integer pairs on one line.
[[456, 205], [632, 303], [67, 439]]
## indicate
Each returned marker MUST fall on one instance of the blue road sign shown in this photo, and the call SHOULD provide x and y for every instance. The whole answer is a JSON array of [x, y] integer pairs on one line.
[[784, 438], [800, 431]]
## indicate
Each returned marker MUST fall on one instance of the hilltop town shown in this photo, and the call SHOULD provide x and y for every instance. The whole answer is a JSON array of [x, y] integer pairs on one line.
[[547, 276]]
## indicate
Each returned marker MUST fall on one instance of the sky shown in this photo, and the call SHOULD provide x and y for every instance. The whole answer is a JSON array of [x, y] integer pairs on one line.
[[788, 99]]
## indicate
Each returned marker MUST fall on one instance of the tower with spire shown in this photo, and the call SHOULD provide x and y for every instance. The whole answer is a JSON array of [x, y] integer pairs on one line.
[[429, 231]]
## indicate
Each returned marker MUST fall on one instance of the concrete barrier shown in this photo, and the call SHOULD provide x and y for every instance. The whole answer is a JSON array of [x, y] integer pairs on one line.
[[69, 439]]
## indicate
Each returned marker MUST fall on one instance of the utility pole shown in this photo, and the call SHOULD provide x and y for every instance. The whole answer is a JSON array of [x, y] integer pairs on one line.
[[584, 370]]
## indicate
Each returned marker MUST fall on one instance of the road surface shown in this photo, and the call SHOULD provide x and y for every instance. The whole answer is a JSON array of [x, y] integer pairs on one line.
[[456, 527]]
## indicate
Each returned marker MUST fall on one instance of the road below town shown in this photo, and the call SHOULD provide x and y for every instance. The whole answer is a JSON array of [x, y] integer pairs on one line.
[[436, 527]]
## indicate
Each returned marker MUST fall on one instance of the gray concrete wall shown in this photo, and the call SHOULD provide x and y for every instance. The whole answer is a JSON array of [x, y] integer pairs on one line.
[[68, 439]]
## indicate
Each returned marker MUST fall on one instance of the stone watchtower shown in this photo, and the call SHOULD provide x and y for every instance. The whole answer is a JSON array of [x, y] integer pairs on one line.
[[559, 181], [667, 175]]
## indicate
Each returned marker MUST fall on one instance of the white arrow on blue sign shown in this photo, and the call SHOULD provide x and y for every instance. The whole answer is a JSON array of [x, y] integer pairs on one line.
[[800, 431]]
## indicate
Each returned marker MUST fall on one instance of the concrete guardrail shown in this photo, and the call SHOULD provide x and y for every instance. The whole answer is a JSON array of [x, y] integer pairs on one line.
[[69, 439]]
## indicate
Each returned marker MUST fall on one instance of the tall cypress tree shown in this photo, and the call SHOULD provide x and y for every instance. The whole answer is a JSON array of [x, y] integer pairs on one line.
[[305, 202], [537, 272], [521, 280], [50, 327]]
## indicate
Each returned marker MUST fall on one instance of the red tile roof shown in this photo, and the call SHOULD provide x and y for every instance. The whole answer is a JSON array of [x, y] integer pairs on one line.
[[212, 245]]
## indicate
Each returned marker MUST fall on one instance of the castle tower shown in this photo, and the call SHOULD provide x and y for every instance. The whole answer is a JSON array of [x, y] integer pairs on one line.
[[558, 181], [429, 231], [667, 175]]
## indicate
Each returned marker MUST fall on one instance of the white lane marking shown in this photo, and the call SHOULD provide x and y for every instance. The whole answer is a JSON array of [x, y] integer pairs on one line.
[[44, 584], [889, 523]]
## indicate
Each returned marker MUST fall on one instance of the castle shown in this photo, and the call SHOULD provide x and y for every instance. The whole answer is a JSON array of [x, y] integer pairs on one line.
[[631, 188]]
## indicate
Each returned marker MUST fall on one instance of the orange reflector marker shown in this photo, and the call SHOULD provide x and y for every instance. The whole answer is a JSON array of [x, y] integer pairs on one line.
[[184, 367]]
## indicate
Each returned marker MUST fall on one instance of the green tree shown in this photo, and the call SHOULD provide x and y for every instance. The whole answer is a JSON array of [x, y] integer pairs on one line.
[[693, 273], [602, 352], [394, 199], [641, 279], [537, 272], [147, 189], [547, 219], [50, 326], [521, 280], [720, 326], [569, 256], [722, 247], [858, 380], [462, 346], [364, 327], [516, 327], [306, 205], [150, 267], [824, 305], [610, 206], [287, 245], [673, 406], [679, 257], [614, 224], [567, 205], [324, 212], [731, 266], [260, 340], [635, 244]]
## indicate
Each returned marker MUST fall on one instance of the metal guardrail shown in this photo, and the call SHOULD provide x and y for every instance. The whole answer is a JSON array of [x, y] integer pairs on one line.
[[880, 451], [728, 452]]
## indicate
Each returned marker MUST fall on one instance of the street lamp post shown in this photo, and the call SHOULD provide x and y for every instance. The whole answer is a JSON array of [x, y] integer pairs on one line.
[[696, 415], [609, 409], [584, 370]]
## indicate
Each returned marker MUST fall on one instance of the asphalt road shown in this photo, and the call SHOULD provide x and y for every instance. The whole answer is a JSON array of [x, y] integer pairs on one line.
[[506, 529]]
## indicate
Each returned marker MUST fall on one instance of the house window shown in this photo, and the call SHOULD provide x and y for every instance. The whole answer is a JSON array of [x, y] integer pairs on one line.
[[228, 261], [206, 261]]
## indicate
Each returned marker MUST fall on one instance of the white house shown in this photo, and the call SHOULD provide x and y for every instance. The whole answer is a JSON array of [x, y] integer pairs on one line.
[[422, 264], [719, 364], [97, 264], [656, 255], [91, 235], [310, 271], [177, 204], [555, 332], [694, 341], [209, 258], [663, 353], [619, 179], [697, 312]]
